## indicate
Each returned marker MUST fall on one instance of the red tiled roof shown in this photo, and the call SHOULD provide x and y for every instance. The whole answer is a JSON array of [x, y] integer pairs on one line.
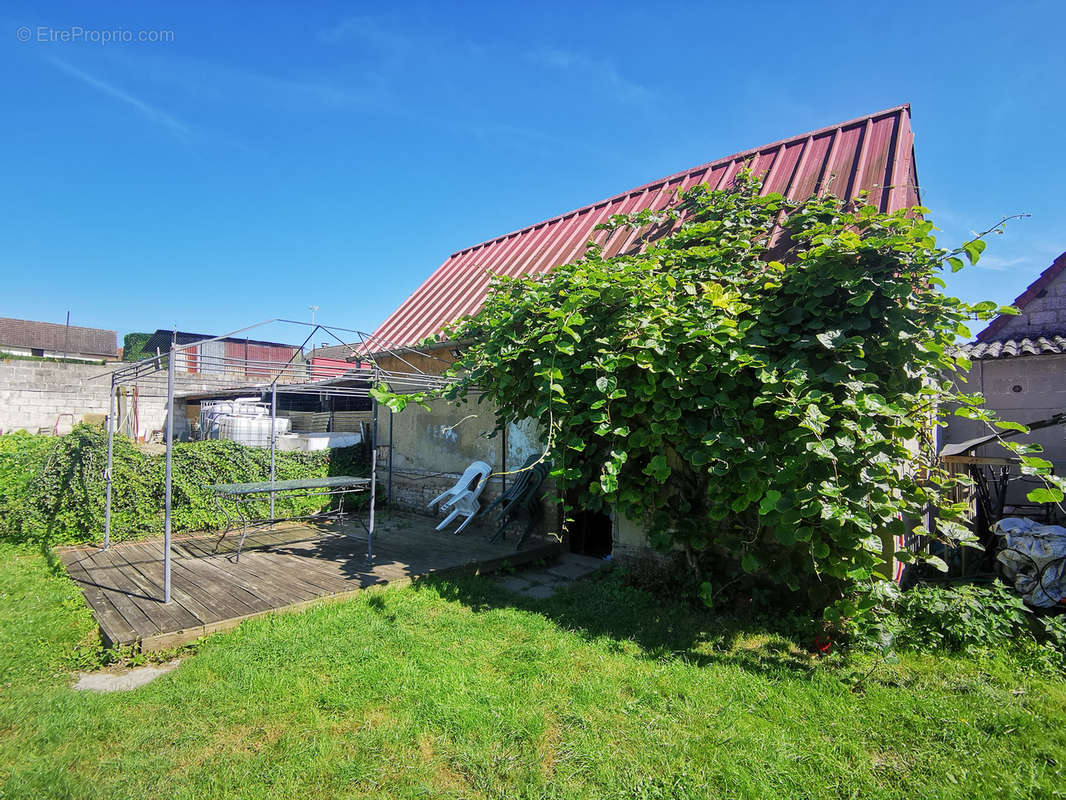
[[1031, 293], [57, 337], [874, 153]]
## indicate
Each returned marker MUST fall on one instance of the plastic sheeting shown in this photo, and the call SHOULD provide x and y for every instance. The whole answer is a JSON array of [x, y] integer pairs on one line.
[[1034, 559]]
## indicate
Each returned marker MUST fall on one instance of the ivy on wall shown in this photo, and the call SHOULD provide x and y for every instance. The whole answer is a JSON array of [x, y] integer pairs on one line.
[[52, 488], [133, 346]]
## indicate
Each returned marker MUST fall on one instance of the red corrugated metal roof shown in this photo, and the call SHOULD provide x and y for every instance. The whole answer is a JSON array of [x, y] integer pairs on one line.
[[874, 153]]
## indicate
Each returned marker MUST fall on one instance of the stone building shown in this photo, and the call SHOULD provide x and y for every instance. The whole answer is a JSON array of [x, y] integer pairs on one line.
[[1019, 365], [873, 154]]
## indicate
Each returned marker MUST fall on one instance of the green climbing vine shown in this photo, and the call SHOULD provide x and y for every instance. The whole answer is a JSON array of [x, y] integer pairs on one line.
[[758, 385], [52, 488]]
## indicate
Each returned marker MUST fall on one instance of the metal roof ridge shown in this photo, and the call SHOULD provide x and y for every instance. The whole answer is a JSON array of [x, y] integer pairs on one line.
[[685, 172]]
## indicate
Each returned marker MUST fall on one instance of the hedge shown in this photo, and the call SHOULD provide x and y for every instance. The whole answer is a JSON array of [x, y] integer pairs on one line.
[[52, 488]]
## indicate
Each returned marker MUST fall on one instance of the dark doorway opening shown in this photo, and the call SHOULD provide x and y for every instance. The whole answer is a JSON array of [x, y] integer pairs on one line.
[[590, 534]]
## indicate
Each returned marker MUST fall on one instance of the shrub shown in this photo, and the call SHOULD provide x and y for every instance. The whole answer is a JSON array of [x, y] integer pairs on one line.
[[962, 618], [52, 489], [133, 346]]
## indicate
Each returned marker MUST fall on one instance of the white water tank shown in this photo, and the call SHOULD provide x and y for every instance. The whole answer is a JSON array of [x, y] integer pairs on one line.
[[244, 420]]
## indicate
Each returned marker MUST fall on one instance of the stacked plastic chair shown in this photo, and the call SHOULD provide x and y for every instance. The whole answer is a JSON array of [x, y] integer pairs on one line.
[[462, 499], [520, 498]]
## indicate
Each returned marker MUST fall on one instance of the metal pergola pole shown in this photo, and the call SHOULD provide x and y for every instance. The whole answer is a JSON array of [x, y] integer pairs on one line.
[[107, 471], [373, 480], [273, 418], [146, 372], [388, 494], [169, 468]]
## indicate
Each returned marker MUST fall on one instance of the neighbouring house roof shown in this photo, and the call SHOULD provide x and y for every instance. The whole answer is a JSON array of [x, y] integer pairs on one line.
[[874, 153], [339, 352], [161, 339], [57, 337], [1036, 291], [1011, 348]]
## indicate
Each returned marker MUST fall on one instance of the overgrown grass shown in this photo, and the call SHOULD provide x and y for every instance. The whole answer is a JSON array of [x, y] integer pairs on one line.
[[457, 689]]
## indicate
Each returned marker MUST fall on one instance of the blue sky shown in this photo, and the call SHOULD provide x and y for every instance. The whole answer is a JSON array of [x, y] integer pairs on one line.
[[271, 156]]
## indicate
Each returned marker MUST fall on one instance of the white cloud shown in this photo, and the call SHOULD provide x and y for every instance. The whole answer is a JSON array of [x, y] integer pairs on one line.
[[366, 31], [597, 73], [999, 263], [151, 112]]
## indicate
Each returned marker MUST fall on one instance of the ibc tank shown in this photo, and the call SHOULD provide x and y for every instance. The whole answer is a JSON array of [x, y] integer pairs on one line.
[[244, 420], [253, 431]]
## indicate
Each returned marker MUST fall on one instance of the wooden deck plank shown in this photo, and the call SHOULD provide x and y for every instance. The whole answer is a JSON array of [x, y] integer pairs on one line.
[[211, 579], [283, 570], [312, 570], [114, 627], [121, 591], [293, 580], [216, 572], [343, 565], [168, 616], [148, 563], [222, 603]]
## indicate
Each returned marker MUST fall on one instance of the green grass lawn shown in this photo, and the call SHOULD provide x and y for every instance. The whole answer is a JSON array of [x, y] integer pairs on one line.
[[458, 689]]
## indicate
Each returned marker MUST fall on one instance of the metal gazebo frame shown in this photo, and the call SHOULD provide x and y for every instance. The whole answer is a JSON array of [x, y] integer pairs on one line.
[[290, 377]]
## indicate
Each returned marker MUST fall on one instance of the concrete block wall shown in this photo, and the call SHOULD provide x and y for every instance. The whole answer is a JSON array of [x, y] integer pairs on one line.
[[1042, 316], [33, 394], [1025, 390], [38, 394]]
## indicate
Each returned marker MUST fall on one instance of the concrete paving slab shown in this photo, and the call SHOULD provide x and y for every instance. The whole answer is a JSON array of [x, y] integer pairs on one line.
[[573, 567], [123, 680], [542, 591], [543, 582], [514, 583]]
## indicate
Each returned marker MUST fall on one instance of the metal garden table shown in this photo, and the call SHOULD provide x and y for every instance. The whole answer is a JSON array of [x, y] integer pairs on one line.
[[240, 495]]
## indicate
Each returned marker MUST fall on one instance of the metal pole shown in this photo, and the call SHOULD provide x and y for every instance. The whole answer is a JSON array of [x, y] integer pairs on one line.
[[273, 417], [167, 493], [374, 427], [373, 498], [388, 495], [503, 459], [373, 480], [107, 472]]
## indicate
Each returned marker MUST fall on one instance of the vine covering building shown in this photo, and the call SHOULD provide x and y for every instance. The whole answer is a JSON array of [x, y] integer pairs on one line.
[[872, 154]]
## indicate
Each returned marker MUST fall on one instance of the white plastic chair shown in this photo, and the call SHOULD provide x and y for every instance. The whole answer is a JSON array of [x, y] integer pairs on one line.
[[462, 498]]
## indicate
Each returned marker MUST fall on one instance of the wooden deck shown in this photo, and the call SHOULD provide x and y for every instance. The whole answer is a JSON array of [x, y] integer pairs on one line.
[[286, 569]]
